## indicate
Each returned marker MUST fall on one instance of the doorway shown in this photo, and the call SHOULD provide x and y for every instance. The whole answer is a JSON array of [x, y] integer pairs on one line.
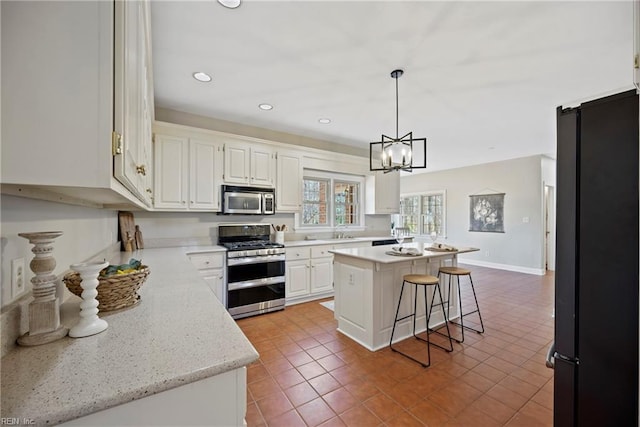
[[549, 228]]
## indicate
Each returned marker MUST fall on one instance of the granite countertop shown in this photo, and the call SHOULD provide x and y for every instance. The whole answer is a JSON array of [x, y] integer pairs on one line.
[[379, 253], [345, 240], [179, 333]]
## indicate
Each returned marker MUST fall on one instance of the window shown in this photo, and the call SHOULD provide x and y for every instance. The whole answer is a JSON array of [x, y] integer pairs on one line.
[[346, 203], [315, 203], [331, 200], [423, 213]]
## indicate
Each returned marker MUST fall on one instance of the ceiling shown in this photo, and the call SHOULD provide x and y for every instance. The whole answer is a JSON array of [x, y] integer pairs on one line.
[[481, 83]]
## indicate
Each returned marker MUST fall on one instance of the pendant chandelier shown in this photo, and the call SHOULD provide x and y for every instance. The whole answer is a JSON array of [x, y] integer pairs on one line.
[[400, 153]]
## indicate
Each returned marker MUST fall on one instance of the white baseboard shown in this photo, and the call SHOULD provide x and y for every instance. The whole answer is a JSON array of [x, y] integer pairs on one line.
[[307, 298], [507, 267]]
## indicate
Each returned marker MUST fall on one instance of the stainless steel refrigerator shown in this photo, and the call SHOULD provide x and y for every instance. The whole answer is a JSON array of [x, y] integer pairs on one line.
[[596, 278]]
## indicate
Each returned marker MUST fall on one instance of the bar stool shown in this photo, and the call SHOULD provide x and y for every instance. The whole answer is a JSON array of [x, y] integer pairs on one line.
[[422, 280], [457, 272]]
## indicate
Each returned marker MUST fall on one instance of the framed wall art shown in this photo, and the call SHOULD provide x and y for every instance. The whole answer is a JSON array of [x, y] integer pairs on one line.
[[486, 213]]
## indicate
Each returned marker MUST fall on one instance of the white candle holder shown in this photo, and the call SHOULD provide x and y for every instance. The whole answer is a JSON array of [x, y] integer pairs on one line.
[[44, 310], [90, 323]]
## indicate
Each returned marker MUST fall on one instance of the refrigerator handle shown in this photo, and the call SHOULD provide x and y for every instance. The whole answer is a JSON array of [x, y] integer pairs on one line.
[[550, 362]]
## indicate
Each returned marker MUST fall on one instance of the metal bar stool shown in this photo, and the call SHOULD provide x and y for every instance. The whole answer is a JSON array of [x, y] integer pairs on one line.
[[422, 280], [457, 272]]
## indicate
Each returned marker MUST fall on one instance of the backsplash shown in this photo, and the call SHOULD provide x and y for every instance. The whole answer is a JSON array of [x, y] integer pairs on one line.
[[174, 228], [88, 232]]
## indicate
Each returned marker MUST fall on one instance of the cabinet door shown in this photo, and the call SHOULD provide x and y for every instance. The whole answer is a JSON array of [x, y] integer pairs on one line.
[[57, 89], [204, 184], [289, 182], [147, 110], [215, 280], [297, 279], [383, 193], [171, 163], [236, 163], [132, 109], [321, 274], [262, 166]]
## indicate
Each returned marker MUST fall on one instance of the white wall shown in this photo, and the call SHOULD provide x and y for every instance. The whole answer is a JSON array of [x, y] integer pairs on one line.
[[520, 247], [87, 231]]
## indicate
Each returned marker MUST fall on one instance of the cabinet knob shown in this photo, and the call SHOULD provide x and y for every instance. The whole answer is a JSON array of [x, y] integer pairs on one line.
[[148, 190], [142, 170], [183, 202]]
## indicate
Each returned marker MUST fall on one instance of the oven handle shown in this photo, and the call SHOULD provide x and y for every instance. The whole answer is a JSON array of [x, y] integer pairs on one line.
[[255, 283], [255, 260]]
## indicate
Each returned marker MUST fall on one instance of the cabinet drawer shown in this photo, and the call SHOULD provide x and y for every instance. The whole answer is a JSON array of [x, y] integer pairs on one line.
[[297, 253], [202, 261], [320, 251]]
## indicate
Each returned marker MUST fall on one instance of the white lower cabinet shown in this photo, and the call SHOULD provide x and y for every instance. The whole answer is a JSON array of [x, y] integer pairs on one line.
[[309, 273], [322, 275], [297, 281], [220, 400], [211, 266]]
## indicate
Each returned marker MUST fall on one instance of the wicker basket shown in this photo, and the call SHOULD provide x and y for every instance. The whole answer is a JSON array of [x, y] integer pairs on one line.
[[114, 292]]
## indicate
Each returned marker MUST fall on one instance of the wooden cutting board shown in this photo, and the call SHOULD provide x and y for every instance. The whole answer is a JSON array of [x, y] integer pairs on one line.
[[127, 230]]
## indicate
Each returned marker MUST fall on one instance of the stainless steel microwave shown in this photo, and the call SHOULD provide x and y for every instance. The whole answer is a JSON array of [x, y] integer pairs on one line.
[[248, 200]]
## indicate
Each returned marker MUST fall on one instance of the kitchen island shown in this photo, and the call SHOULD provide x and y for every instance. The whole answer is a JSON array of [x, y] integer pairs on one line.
[[367, 287], [176, 358]]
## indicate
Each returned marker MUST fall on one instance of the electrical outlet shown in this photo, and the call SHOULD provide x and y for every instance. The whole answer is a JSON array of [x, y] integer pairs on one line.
[[17, 277]]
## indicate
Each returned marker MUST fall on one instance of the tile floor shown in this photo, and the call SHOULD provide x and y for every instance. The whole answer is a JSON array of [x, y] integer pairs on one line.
[[309, 374]]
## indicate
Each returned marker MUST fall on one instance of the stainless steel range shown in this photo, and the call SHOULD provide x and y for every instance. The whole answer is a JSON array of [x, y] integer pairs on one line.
[[255, 269]]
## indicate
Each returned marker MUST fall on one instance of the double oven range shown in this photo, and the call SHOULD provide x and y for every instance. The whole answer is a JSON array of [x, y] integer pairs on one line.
[[255, 269]]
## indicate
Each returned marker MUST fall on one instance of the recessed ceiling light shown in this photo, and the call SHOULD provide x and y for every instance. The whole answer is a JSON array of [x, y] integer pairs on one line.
[[202, 77], [492, 148], [231, 4], [324, 121], [265, 106]]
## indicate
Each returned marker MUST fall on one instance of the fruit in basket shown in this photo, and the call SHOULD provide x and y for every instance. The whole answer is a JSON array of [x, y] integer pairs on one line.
[[132, 266]]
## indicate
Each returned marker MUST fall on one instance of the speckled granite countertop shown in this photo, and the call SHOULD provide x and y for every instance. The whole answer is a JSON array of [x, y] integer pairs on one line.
[[379, 254], [344, 241], [179, 333]]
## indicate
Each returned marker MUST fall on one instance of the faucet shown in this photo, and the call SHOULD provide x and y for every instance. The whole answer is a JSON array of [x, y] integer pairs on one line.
[[339, 234]]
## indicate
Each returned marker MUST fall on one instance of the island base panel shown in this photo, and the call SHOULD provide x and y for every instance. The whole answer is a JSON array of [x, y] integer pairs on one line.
[[367, 295]]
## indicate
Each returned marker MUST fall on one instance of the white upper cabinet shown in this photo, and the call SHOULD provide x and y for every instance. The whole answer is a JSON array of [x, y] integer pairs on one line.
[[188, 172], [263, 166], [382, 193], [289, 182], [171, 172], [249, 164], [237, 159], [205, 167], [72, 73], [133, 97]]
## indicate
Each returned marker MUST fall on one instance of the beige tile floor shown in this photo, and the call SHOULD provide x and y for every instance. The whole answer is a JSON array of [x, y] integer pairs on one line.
[[309, 374]]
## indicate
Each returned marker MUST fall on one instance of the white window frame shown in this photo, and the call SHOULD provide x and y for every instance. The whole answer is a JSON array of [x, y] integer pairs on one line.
[[397, 218], [332, 177]]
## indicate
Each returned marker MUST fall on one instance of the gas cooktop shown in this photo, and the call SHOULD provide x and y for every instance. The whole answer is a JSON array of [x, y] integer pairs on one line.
[[251, 244]]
